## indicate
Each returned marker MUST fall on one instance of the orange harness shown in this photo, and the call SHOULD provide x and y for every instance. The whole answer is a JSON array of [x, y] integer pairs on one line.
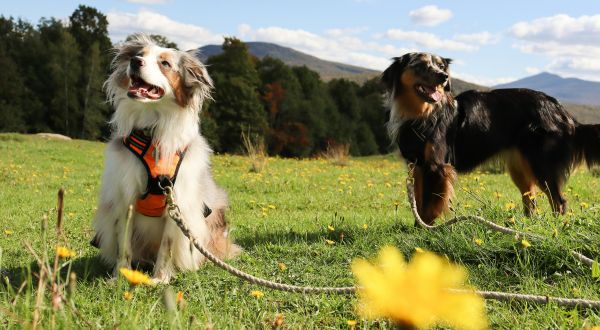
[[161, 173]]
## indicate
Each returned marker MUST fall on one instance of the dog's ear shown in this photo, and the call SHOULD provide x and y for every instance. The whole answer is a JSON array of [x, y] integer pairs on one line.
[[195, 77], [390, 78], [447, 62]]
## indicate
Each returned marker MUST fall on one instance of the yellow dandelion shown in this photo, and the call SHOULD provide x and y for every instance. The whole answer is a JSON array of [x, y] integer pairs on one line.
[[127, 295], [8, 232], [330, 228], [510, 205], [525, 243], [365, 226], [351, 323], [584, 205], [329, 242], [271, 206], [417, 295], [282, 266], [135, 277], [179, 297], [512, 220], [497, 195], [64, 252], [278, 321], [257, 294], [478, 241]]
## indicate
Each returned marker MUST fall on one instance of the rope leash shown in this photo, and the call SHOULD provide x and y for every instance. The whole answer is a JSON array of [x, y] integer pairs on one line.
[[410, 187], [175, 214]]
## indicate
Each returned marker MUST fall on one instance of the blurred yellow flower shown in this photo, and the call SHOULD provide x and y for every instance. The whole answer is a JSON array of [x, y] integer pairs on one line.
[[525, 243], [478, 241], [417, 295], [329, 242], [135, 277], [8, 232], [584, 205], [419, 250], [282, 266], [127, 295], [330, 228], [64, 252], [271, 206], [179, 297], [510, 205], [497, 194], [351, 323], [365, 226], [257, 294]]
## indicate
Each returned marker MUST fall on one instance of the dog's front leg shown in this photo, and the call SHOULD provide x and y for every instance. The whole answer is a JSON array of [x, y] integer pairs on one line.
[[164, 268], [123, 232]]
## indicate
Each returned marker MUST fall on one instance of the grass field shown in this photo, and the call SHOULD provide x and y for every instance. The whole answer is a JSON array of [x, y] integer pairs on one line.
[[281, 216]]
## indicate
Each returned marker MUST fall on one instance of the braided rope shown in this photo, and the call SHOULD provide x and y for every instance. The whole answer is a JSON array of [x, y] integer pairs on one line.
[[175, 214], [410, 188]]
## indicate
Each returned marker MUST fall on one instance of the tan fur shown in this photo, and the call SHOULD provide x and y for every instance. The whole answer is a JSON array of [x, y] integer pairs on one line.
[[219, 243], [442, 194], [174, 79], [522, 175]]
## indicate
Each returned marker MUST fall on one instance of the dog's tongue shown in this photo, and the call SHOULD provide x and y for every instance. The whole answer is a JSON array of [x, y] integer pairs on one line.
[[433, 93]]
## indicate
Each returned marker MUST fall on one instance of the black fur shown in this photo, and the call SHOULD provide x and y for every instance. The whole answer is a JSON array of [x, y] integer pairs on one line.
[[481, 125]]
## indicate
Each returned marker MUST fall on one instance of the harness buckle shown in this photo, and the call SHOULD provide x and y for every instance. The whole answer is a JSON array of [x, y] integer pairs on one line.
[[164, 182]]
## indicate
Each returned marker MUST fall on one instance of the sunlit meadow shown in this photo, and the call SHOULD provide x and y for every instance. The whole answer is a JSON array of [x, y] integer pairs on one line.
[[299, 222]]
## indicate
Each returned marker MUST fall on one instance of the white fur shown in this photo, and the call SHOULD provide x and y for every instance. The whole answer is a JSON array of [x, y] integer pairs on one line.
[[124, 179]]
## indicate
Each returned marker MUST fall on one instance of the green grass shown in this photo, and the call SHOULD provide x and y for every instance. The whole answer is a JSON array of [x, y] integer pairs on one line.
[[281, 216]]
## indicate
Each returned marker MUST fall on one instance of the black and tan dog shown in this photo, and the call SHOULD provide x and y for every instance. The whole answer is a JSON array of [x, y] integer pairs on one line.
[[442, 135]]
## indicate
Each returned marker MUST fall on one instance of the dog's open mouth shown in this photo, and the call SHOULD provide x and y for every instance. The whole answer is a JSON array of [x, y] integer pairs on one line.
[[139, 89], [429, 93]]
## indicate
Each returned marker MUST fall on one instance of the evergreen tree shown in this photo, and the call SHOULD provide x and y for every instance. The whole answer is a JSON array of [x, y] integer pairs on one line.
[[90, 29], [374, 113], [237, 107]]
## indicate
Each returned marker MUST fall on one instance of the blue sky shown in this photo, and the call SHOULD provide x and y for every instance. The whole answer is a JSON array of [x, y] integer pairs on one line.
[[491, 42]]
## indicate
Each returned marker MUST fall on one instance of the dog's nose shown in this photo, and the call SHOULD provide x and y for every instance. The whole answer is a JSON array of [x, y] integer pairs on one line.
[[137, 62], [442, 76]]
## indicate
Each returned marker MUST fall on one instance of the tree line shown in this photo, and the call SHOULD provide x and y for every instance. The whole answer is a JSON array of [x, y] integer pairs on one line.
[[53, 74]]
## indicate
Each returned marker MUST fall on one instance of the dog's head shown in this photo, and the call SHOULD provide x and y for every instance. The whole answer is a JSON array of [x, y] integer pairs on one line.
[[417, 82], [145, 73]]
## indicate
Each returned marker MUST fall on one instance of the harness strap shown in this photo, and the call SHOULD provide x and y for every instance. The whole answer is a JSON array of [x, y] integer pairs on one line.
[[161, 172]]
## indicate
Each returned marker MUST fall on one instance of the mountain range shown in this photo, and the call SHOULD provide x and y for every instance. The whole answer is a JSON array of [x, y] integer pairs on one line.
[[568, 90], [581, 97]]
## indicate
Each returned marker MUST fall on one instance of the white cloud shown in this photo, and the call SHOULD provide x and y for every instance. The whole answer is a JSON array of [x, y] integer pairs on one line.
[[187, 36], [337, 46], [346, 32], [429, 40], [150, 2], [481, 38], [571, 43], [533, 70], [483, 81], [563, 28], [430, 15]]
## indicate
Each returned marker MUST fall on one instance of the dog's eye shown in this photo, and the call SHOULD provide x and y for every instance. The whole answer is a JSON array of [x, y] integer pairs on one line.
[[166, 64]]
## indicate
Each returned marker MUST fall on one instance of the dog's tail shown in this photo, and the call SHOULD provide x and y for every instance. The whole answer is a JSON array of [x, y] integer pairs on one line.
[[587, 139]]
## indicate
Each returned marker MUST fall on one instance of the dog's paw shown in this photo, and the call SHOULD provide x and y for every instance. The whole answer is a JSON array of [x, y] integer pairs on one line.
[[157, 280]]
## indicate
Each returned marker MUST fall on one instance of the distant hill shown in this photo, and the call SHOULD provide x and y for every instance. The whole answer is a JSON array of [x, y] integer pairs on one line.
[[572, 92], [327, 69], [567, 90]]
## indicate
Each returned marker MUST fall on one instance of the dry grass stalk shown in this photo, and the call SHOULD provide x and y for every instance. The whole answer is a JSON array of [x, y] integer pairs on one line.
[[256, 151], [337, 154]]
